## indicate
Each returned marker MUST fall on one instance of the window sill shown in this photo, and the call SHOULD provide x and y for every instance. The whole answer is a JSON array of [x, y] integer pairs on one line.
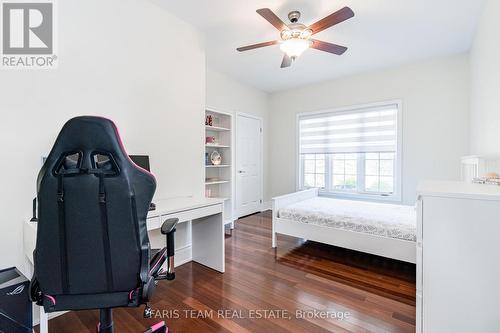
[[361, 196]]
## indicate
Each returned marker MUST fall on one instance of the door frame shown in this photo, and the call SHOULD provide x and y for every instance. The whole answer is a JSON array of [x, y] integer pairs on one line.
[[261, 164]]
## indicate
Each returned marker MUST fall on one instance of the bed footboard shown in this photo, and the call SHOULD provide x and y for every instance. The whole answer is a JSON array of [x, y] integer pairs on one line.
[[288, 199]]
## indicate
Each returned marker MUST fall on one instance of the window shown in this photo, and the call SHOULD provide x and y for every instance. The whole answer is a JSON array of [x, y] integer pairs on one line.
[[344, 172], [379, 172], [314, 170], [351, 152]]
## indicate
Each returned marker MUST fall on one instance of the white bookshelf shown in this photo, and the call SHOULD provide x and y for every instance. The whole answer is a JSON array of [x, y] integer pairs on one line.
[[217, 129], [216, 182], [211, 145], [219, 178]]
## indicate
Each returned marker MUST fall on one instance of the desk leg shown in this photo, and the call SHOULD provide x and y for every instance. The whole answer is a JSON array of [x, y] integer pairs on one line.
[[208, 241], [44, 321]]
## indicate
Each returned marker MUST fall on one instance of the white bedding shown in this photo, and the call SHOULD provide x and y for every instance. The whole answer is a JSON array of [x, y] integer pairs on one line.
[[395, 221]]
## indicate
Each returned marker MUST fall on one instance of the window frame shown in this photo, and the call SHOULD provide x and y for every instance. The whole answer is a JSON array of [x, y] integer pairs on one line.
[[396, 196], [325, 166]]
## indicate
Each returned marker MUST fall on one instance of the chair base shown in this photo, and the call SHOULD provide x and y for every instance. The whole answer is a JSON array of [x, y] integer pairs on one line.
[[105, 324], [166, 276]]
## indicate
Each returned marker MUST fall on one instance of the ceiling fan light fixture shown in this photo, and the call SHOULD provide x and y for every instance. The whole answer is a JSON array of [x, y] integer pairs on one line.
[[306, 33], [286, 34], [294, 47], [297, 37]]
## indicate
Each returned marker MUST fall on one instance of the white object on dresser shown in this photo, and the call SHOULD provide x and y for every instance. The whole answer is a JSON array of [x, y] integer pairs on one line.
[[478, 166], [458, 247]]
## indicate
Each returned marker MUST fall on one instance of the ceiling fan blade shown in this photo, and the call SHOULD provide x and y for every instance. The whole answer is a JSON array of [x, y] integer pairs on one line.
[[328, 47], [332, 19], [287, 61], [272, 18], [256, 46]]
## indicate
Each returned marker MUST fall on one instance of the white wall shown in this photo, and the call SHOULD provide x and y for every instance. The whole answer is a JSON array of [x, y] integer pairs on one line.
[[485, 73], [118, 59], [435, 96], [226, 94]]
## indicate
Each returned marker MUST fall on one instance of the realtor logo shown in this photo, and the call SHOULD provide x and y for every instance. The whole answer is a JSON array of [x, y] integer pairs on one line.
[[28, 34]]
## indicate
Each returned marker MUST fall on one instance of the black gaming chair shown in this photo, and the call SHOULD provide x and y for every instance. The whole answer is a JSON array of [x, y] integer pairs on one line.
[[92, 248]]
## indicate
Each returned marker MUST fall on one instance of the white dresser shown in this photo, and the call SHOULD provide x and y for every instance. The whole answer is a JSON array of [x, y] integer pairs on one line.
[[458, 258]]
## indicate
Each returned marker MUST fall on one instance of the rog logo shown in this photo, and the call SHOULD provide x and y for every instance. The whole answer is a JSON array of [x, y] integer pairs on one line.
[[16, 291]]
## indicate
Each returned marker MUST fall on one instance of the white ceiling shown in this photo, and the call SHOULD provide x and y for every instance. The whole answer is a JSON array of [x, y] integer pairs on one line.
[[383, 33]]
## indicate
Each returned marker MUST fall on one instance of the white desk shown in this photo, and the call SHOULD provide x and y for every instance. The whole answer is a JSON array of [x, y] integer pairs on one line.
[[207, 216]]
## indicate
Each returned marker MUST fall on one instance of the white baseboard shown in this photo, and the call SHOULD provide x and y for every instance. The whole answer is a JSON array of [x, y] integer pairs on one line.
[[266, 205], [183, 255]]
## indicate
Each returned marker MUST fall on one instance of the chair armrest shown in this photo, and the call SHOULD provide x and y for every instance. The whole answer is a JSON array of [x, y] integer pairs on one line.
[[168, 226]]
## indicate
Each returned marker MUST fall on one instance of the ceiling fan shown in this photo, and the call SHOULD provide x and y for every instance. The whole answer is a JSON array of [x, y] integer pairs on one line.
[[296, 37]]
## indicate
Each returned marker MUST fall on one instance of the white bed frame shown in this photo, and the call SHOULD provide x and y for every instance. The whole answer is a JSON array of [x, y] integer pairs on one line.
[[382, 246]]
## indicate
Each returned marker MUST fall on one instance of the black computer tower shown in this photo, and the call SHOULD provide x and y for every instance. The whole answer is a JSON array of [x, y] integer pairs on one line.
[[16, 314]]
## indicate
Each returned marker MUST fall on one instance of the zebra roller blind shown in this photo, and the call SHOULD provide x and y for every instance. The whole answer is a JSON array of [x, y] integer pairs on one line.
[[364, 130]]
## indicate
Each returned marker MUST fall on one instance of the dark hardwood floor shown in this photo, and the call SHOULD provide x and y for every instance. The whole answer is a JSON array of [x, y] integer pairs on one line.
[[350, 291]]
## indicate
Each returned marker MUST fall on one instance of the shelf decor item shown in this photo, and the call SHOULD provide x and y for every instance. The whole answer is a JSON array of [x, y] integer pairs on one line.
[[491, 178], [216, 158], [210, 139], [209, 120]]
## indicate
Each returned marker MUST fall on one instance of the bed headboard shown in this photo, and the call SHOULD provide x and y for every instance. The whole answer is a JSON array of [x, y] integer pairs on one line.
[[288, 199]]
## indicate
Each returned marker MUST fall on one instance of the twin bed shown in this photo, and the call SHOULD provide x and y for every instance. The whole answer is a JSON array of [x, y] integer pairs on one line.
[[382, 229]]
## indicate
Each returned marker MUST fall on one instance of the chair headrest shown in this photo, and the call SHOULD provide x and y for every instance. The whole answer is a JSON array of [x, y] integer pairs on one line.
[[89, 142]]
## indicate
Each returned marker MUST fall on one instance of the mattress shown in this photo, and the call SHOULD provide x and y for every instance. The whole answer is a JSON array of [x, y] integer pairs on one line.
[[394, 221]]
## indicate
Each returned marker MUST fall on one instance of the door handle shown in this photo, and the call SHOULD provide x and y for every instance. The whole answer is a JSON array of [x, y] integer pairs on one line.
[[241, 171]]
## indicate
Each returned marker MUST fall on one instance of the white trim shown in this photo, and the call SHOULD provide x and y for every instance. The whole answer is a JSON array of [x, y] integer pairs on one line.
[[351, 107], [397, 196], [297, 153], [183, 254], [267, 205], [359, 196], [368, 243], [399, 153], [235, 163]]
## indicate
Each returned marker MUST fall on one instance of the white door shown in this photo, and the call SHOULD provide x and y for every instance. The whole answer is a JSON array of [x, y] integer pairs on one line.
[[248, 164]]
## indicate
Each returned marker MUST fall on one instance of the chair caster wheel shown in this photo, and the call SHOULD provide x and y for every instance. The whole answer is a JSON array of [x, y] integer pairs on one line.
[[148, 312]]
